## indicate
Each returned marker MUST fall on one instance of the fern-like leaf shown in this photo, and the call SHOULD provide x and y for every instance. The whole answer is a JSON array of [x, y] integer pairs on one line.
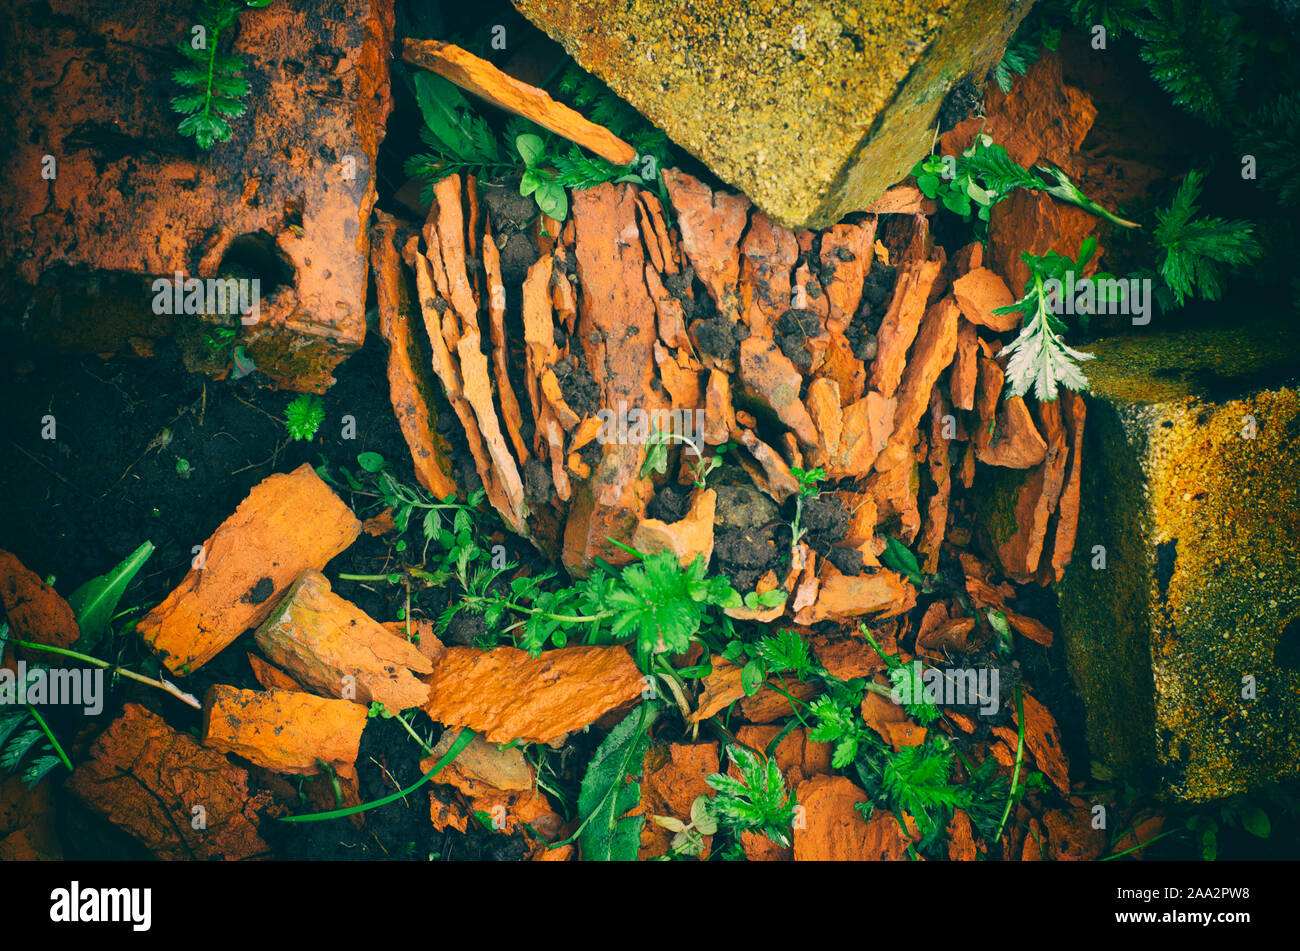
[[1117, 16], [1273, 137], [1194, 253], [212, 78], [1193, 48]]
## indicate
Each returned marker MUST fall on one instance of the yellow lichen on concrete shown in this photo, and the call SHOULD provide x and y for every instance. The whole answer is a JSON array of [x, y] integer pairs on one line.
[[811, 107], [1224, 485], [1181, 641]]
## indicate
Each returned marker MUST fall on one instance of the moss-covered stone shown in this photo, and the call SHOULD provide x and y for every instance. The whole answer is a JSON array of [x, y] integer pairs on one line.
[[1191, 492], [811, 107]]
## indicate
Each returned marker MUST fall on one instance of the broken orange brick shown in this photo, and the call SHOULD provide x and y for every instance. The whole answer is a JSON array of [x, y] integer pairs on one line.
[[961, 381], [936, 342], [331, 645], [979, 292], [719, 414], [719, 689], [834, 830], [270, 676], [1043, 739], [845, 262], [902, 319], [497, 782], [711, 225], [796, 756], [285, 731], [688, 538], [35, 611], [289, 523], [483, 79], [890, 720], [772, 378], [146, 778], [847, 657], [1006, 435], [675, 774], [505, 694], [845, 597], [768, 252], [410, 385], [961, 841], [28, 830], [768, 704]]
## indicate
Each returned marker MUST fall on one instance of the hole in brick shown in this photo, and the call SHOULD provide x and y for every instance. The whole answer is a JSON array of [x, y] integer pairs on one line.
[[255, 255], [1287, 652]]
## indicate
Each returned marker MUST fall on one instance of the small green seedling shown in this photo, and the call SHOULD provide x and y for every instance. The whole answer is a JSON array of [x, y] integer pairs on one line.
[[808, 489], [688, 837], [303, 416], [757, 802], [550, 196]]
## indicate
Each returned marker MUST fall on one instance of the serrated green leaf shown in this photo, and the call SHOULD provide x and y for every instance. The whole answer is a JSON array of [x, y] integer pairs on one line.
[[452, 121], [606, 796]]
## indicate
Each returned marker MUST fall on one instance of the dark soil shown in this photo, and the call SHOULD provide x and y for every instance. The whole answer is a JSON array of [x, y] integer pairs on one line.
[[793, 329], [77, 504], [577, 384], [848, 561], [511, 214], [670, 504], [745, 555], [825, 521], [747, 535], [961, 99], [400, 830], [720, 337], [465, 628]]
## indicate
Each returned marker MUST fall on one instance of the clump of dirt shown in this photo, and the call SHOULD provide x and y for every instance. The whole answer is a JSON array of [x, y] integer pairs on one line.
[[745, 555], [511, 214], [862, 330], [742, 506], [825, 520], [538, 487], [746, 535], [957, 105], [577, 384], [466, 628], [720, 337], [848, 561], [876, 289], [670, 504], [793, 330]]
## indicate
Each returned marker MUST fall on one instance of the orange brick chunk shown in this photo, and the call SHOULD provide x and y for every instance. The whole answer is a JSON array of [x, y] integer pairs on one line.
[[284, 730], [290, 522], [331, 645], [505, 694]]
